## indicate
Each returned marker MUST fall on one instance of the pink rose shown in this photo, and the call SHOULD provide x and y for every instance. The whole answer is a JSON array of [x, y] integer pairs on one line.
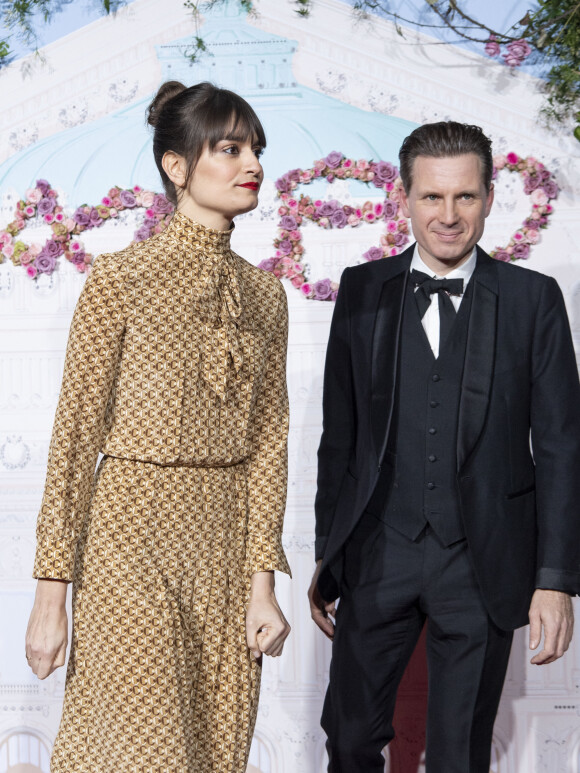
[[306, 288], [25, 258], [394, 251], [518, 236], [492, 46], [29, 211], [297, 281], [49, 219], [8, 250], [295, 235], [31, 271], [35, 249], [533, 236], [353, 220], [33, 195], [70, 224], [117, 203], [107, 201], [512, 158], [370, 217], [147, 198], [499, 162], [539, 197], [392, 227], [113, 212]]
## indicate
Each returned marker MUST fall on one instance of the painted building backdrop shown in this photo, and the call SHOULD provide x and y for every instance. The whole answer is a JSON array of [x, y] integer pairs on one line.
[[321, 85]]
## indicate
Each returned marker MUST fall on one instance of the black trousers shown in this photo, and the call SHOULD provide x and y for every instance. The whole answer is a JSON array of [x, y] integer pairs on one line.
[[391, 586]]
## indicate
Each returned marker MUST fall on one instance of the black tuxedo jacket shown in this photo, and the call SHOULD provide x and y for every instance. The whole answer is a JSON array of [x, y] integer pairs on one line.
[[520, 503]]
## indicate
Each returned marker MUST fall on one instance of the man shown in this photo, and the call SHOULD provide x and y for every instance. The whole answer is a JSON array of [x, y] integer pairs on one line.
[[442, 366]]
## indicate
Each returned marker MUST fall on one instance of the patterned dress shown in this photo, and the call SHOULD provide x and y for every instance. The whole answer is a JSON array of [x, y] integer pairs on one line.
[[175, 371]]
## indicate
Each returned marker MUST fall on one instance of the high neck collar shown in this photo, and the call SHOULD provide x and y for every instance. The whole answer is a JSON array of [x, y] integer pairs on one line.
[[200, 237]]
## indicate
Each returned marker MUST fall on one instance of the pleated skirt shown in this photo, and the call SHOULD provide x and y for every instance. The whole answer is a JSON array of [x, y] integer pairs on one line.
[[159, 676]]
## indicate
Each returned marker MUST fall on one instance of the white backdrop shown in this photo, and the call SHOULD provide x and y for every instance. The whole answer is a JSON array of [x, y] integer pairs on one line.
[[320, 85]]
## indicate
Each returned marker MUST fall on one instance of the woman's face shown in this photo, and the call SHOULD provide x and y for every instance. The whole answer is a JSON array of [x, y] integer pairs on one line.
[[225, 182]]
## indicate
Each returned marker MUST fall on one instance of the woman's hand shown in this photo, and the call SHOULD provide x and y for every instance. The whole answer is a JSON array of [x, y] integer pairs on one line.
[[266, 626], [47, 632]]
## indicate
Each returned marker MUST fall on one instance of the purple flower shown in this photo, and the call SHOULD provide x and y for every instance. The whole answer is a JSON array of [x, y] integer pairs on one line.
[[269, 264], [384, 173], [503, 255], [327, 208], [44, 263], [94, 217], [492, 46], [288, 223], [78, 258], [46, 205], [294, 175], [81, 217], [333, 295], [43, 186], [161, 205], [285, 246], [550, 189], [322, 290], [338, 218], [142, 233], [128, 199], [401, 239], [516, 52], [544, 175], [333, 159], [52, 249], [521, 251], [374, 253], [531, 183], [390, 209], [283, 184]]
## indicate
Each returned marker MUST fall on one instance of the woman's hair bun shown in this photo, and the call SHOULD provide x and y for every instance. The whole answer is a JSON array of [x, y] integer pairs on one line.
[[167, 91]]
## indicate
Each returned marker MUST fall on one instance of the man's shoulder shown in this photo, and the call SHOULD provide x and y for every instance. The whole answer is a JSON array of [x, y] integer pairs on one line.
[[517, 274], [379, 270]]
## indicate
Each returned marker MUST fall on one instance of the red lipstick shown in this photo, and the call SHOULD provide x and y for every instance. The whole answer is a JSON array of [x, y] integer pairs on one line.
[[251, 186]]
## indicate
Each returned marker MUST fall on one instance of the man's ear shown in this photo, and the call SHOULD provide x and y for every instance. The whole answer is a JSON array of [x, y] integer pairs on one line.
[[489, 200], [175, 167], [404, 202]]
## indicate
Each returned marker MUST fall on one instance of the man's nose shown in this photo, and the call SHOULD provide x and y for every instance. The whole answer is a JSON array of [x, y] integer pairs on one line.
[[448, 212]]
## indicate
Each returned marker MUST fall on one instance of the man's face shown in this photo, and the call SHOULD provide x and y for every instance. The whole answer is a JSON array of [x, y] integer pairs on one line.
[[447, 204]]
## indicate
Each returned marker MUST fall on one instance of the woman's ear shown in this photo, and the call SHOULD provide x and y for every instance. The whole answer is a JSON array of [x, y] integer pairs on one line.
[[175, 168]]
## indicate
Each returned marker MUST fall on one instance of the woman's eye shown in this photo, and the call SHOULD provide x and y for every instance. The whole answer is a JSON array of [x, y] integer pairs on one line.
[[231, 149], [258, 152]]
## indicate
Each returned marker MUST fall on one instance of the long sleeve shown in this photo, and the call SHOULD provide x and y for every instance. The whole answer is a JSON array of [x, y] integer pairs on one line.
[[268, 462], [91, 362], [555, 422], [338, 419]]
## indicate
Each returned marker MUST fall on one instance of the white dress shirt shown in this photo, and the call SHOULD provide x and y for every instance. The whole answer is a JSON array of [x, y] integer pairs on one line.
[[430, 319]]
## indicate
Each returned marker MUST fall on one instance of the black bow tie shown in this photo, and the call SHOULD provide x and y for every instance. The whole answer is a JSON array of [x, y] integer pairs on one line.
[[425, 287]]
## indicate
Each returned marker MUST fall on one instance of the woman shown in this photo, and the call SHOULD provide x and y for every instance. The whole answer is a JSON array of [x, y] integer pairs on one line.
[[175, 370]]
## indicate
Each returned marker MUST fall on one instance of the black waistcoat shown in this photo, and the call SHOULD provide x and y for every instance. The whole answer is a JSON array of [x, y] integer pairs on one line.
[[418, 485]]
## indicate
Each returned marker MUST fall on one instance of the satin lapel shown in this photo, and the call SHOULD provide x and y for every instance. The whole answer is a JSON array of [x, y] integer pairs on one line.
[[479, 357], [385, 352]]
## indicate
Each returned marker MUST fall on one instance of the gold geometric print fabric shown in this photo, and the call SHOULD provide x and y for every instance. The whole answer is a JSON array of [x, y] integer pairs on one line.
[[175, 370]]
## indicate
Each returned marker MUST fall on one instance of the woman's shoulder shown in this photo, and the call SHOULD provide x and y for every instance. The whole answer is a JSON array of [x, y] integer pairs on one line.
[[127, 264], [261, 287]]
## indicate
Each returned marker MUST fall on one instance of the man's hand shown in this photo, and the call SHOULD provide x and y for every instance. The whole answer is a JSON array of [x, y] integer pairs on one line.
[[553, 610], [319, 609], [266, 626]]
